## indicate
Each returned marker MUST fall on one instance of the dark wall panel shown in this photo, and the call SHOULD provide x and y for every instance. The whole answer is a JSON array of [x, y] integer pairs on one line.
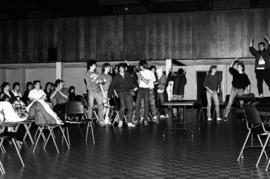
[[189, 35]]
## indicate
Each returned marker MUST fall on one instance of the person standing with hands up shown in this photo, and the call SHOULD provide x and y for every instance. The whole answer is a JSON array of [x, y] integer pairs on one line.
[[262, 64]]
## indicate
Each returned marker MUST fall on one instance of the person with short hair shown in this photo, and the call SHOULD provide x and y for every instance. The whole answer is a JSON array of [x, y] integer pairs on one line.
[[92, 81], [262, 64], [212, 84], [240, 82], [60, 96], [145, 77], [17, 90], [29, 87], [122, 83]]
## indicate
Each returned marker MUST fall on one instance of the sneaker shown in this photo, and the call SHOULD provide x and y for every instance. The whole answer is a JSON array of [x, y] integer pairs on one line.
[[130, 124], [225, 119], [102, 124], [155, 120], [162, 116], [120, 124], [107, 121], [141, 120], [261, 96], [145, 123], [209, 119], [219, 119]]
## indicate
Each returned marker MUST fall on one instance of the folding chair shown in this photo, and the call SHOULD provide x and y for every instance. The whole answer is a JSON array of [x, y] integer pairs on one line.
[[49, 127], [75, 115], [9, 136], [255, 126]]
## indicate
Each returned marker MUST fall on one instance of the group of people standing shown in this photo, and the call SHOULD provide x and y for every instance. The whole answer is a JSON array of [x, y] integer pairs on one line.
[[140, 91], [240, 81]]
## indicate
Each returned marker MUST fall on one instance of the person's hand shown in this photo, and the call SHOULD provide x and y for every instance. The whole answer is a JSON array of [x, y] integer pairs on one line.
[[135, 89], [266, 38]]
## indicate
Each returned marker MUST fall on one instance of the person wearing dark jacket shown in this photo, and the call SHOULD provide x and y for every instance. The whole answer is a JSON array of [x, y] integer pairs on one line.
[[179, 82], [262, 64], [122, 83], [240, 82]]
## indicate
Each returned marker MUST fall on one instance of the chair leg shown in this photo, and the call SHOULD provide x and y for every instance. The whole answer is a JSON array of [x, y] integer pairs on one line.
[[18, 151], [40, 130], [53, 138], [68, 135], [259, 138], [3, 150], [87, 128], [243, 147], [64, 136], [263, 149], [93, 137], [2, 169]]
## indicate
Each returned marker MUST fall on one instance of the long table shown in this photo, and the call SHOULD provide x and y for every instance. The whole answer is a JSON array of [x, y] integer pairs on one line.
[[178, 104]]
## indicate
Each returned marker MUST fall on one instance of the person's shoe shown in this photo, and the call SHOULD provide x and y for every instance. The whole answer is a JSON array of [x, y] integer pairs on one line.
[[146, 123], [167, 116], [135, 122], [130, 124], [155, 120], [219, 119], [209, 119], [162, 116], [107, 121], [225, 119], [261, 95], [141, 120], [102, 124], [120, 124]]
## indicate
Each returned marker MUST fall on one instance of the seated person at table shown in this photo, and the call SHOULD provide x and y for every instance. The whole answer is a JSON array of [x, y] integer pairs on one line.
[[212, 83], [7, 95], [37, 97], [60, 95]]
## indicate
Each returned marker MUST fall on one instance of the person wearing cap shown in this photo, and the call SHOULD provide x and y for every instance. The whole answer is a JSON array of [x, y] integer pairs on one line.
[[240, 82], [262, 64], [60, 96], [212, 84]]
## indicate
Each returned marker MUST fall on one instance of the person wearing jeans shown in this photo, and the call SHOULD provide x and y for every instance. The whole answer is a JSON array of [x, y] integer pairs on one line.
[[92, 80], [122, 83], [212, 83], [240, 82], [145, 77]]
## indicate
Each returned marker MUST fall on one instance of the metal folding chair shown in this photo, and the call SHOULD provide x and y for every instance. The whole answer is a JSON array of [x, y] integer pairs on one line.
[[75, 115], [10, 136], [256, 127], [50, 127]]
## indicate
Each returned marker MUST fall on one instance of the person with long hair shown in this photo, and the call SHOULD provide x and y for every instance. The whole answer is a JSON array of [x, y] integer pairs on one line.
[[29, 87], [240, 83], [212, 84]]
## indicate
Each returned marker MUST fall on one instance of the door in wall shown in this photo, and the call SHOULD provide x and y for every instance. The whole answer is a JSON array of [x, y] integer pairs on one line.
[[201, 95]]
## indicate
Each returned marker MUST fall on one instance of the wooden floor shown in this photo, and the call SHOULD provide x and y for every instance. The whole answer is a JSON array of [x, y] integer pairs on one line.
[[142, 152]]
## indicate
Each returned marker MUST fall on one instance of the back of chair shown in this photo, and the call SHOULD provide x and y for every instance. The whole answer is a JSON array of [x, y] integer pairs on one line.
[[252, 114], [74, 107]]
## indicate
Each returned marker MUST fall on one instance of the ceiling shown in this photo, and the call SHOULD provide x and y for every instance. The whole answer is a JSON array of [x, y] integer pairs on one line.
[[32, 9]]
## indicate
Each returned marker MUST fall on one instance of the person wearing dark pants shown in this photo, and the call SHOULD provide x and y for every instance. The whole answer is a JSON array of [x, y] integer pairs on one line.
[[145, 77], [262, 64], [122, 83]]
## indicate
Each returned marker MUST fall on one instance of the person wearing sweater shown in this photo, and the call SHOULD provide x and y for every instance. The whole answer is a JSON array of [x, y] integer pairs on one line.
[[240, 83], [212, 84]]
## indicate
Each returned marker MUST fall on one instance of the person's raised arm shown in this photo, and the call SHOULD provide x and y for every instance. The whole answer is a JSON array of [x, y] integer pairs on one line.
[[252, 50], [268, 43]]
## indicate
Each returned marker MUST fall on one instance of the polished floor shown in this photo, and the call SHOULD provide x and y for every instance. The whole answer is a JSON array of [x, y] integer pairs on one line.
[[142, 152]]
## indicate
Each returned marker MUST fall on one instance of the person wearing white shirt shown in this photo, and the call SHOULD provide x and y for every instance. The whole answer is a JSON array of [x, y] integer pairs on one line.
[[144, 78]]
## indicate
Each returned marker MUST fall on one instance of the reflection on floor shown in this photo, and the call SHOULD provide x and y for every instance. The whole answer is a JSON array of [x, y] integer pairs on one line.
[[142, 152]]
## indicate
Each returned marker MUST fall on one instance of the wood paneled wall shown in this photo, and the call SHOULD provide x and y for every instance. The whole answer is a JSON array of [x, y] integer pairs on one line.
[[189, 35]]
